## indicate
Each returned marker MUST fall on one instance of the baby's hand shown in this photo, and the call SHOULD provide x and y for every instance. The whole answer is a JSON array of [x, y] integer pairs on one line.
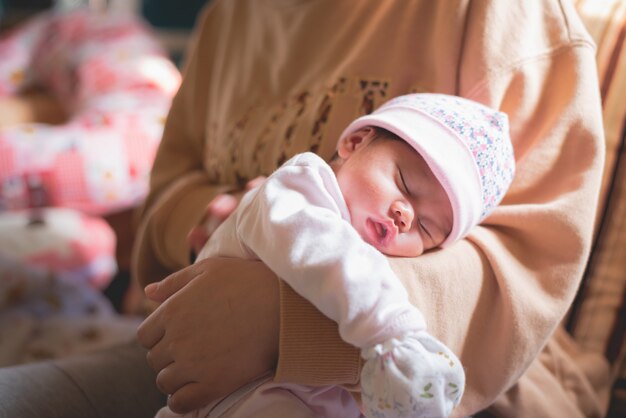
[[216, 212], [413, 376]]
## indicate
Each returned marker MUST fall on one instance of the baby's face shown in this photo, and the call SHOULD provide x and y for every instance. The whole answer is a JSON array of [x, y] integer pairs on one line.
[[395, 202]]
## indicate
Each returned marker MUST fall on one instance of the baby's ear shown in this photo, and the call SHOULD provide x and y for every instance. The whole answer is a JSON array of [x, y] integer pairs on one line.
[[354, 141]]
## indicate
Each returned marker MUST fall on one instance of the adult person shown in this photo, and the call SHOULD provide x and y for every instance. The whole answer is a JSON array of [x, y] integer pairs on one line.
[[269, 79], [266, 76]]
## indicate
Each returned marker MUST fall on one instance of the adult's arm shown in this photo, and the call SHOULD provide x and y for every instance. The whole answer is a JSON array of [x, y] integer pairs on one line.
[[496, 296]]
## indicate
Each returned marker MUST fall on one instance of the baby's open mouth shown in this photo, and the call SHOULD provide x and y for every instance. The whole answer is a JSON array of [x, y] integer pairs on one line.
[[380, 233], [381, 230]]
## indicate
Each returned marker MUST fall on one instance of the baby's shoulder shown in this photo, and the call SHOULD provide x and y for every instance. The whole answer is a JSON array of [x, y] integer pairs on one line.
[[308, 171], [307, 165], [306, 159]]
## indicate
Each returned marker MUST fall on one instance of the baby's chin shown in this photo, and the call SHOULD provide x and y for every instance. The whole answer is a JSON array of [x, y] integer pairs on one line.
[[392, 250], [407, 253]]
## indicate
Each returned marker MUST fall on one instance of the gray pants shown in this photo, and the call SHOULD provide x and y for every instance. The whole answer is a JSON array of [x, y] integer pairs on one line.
[[111, 383]]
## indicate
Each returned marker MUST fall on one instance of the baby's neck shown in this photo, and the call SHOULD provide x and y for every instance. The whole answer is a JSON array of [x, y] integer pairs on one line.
[[335, 164]]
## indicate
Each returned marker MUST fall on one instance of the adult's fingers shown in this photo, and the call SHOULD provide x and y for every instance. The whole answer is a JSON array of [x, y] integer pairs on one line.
[[257, 181], [197, 237], [170, 379], [217, 211], [151, 330], [189, 397], [222, 205], [159, 356], [161, 291]]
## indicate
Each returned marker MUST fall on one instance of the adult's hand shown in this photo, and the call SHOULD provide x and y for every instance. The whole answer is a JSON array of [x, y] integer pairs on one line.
[[216, 330]]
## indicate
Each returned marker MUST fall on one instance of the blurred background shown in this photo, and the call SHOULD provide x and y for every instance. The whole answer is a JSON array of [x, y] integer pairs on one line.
[[171, 19], [85, 87]]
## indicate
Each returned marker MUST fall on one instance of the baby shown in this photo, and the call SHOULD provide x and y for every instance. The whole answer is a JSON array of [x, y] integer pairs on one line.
[[415, 175]]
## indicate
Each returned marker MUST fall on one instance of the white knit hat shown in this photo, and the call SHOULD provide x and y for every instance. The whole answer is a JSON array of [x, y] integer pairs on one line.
[[465, 144]]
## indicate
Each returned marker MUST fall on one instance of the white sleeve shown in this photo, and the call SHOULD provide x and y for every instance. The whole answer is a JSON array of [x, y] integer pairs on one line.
[[293, 224]]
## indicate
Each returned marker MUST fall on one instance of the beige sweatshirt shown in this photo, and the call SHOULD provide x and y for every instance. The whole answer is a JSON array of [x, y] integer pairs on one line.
[[271, 78]]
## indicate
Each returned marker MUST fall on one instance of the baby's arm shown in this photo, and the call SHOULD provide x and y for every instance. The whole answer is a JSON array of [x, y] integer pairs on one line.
[[293, 223]]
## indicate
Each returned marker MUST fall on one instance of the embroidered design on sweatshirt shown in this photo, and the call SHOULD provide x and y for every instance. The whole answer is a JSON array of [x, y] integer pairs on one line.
[[374, 94], [304, 121]]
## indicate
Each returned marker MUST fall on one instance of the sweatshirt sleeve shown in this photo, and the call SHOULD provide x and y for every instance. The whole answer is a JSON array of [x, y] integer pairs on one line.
[[522, 268], [496, 297]]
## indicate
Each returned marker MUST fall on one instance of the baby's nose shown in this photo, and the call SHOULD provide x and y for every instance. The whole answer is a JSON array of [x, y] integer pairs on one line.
[[402, 215]]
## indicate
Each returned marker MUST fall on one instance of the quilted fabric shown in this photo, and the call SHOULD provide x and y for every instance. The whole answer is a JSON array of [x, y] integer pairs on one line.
[[116, 83]]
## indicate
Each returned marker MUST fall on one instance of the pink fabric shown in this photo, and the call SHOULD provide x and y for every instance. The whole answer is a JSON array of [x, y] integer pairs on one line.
[[117, 85], [265, 399]]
